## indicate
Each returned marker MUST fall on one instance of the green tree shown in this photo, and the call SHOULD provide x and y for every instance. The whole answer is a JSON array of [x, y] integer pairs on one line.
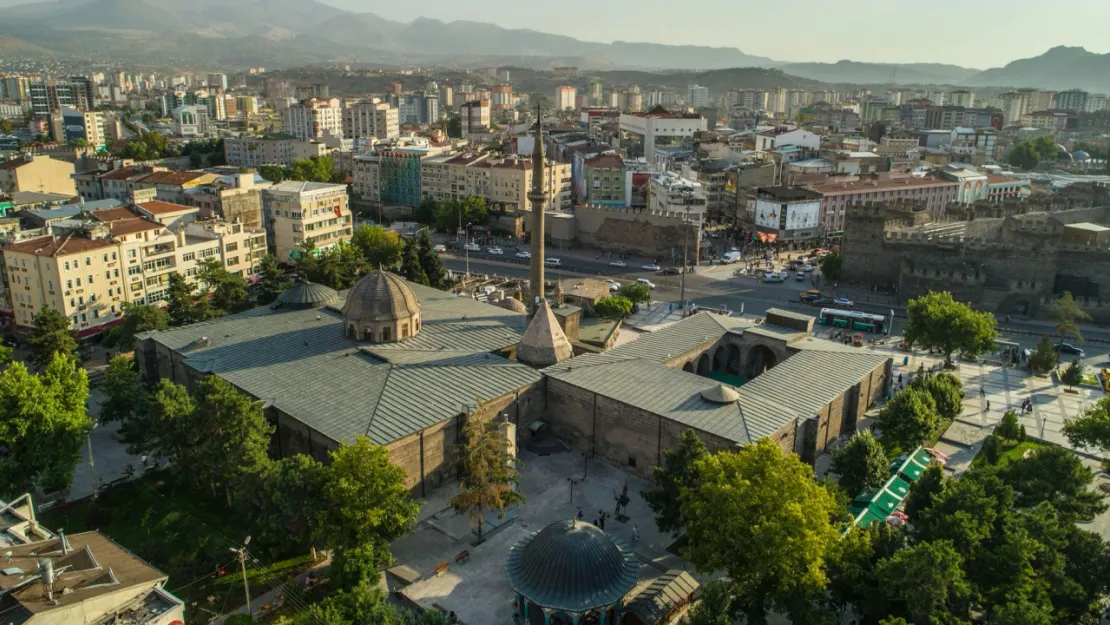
[[50, 336], [43, 423], [489, 474], [181, 302], [353, 566], [426, 212], [831, 265], [1073, 374], [1092, 427], [1044, 356], [271, 280], [636, 293], [1045, 147], [758, 515], [380, 247], [228, 291], [966, 512], [124, 395], [909, 419], [946, 390], [1023, 613], [1057, 476], [861, 464], [366, 501], [924, 491], [851, 564], [449, 217], [1067, 313], [137, 318], [936, 321], [474, 210], [714, 605], [287, 497], [613, 307], [992, 449], [272, 173], [430, 261], [411, 269], [1009, 428], [6, 126], [929, 578], [157, 429], [227, 437], [679, 471], [454, 126]]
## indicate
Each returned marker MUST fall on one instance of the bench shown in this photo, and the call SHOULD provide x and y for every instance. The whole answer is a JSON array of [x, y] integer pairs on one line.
[[462, 556], [441, 568]]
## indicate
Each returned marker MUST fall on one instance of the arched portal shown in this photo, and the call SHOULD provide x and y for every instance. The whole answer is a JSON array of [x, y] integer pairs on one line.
[[705, 365], [688, 367], [760, 359]]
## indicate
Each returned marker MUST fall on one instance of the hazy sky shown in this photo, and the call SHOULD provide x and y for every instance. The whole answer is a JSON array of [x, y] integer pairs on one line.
[[972, 33]]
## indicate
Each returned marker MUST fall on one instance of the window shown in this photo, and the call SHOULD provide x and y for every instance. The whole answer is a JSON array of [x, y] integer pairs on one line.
[[90, 279], [78, 281], [234, 260], [131, 253], [84, 317], [115, 273], [80, 300], [96, 314], [67, 265], [72, 303], [189, 256], [69, 284], [88, 261], [74, 319], [107, 275], [105, 258], [385, 334], [50, 285], [134, 270], [113, 255]]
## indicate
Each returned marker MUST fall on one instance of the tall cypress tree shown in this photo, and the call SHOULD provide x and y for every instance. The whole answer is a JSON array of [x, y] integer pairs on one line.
[[430, 262], [410, 264]]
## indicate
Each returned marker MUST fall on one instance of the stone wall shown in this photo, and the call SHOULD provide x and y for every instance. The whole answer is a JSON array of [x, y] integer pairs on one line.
[[633, 230]]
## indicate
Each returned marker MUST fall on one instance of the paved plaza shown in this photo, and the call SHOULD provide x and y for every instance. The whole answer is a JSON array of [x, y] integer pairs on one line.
[[477, 590]]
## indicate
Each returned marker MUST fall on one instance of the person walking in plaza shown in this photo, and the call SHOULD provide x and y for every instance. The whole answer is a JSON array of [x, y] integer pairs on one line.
[[635, 533]]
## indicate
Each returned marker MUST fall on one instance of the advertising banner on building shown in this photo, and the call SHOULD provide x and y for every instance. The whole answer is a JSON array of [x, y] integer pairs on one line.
[[767, 214], [802, 216]]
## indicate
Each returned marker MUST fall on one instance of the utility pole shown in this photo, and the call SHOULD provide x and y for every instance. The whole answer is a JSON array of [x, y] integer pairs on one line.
[[241, 553], [685, 238], [92, 464]]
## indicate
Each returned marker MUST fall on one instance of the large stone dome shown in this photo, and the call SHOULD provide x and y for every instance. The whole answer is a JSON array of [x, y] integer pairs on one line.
[[381, 307], [572, 566]]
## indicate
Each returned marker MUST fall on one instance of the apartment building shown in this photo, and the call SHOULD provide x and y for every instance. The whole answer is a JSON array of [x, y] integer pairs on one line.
[[671, 193], [273, 149], [42, 174], [298, 213], [837, 197], [51, 95], [604, 176], [122, 183], [565, 97], [88, 270], [474, 117], [371, 120], [642, 133], [237, 199], [313, 118]]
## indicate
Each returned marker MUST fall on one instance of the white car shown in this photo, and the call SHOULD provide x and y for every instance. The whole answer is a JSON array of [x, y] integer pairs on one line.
[[440, 249], [773, 278], [614, 286], [618, 263], [496, 251], [472, 247], [524, 254], [552, 262], [807, 268], [651, 267], [648, 283], [844, 301]]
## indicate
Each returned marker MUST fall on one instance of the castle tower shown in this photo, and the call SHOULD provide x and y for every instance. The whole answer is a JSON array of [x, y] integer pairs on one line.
[[536, 196]]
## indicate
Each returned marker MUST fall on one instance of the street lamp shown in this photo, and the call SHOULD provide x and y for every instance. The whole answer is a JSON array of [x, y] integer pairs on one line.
[[466, 246]]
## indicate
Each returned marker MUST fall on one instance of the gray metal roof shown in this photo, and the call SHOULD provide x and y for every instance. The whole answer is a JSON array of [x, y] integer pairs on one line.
[[667, 592], [807, 381], [684, 336], [308, 295], [572, 566], [301, 362]]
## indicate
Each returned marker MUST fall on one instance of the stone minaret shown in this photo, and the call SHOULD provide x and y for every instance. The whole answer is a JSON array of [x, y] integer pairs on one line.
[[536, 197]]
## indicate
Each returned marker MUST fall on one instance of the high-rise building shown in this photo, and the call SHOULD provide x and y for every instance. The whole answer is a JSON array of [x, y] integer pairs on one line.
[[595, 92], [218, 80], [502, 97], [960, 97], [313, 118], [1072, 100], [52, 95], [564, 97], [697, 96], [474, 116], [299, 213], [367, 119]]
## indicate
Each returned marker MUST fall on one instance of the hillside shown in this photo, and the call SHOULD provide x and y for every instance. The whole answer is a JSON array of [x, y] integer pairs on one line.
[[880, 73], [1059, 68]]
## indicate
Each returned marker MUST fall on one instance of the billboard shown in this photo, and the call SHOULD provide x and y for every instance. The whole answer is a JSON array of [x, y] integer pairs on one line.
[[639, 190], [730, 182], [767, 214], [74, 124], [802, 216], [578, 177]]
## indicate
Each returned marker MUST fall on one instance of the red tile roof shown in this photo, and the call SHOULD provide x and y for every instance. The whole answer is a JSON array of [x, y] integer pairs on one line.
[[872, 185], [158, 207], [60, 246], [171, 177], [131, 226], [114, 214]]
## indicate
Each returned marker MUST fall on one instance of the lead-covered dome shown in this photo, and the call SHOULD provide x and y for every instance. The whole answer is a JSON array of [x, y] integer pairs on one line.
[[308, 295], [572, 566], [381, 307]]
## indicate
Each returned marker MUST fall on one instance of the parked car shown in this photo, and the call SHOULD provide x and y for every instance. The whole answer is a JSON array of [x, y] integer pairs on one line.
[[810, 295], [773, 278], [614, 286], [844, 301], [648, 283], [671, 271], [472, 247], [524, 254], [1068, 348], [800, 277], [807, 268], [822, 301], [617, 263], [496, 251], [650, 267], [552, 262], [440, 249]]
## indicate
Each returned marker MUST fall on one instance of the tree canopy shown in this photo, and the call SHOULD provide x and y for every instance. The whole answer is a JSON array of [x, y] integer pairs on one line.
[[272, 281], [936, 321], [861, 464], [1067, 313], [831, 265], [489, 473], [1092, 427], [1044, 356], [946, 390], [380, 247], [51, 335], [636, 293], [679, 471], [430, 261], [909, 419], [758, 515], [137, 318], [613, 307]]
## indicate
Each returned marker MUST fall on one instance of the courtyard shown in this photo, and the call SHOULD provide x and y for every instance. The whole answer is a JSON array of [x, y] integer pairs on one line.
[[477, 590]]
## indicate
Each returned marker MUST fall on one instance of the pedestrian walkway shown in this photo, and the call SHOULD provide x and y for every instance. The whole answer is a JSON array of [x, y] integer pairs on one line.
[[654, 316], [274, 599]]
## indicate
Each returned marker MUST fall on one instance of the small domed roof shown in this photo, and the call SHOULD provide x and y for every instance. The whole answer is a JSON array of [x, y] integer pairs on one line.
[[308, 295], [720, 394], [380, 296], [513, 304], [1080, 155], [572, 566]]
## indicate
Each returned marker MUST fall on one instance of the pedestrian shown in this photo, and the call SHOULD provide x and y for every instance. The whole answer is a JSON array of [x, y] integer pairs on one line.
[[982, 391], [988, 405], [635, 533], [580, 514], [601, 525], [595, 523], [899, 379]]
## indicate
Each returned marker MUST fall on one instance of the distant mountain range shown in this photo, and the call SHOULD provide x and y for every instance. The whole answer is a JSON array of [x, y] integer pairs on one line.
[[280, 33]]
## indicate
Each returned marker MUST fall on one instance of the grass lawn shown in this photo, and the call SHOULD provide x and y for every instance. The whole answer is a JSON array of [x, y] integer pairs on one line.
[[1011, 452], [183, 532]]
